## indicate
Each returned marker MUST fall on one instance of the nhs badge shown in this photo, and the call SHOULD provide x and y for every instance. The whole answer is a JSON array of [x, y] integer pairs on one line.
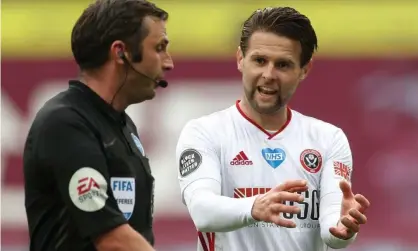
[[124, 193], [274, 157], [138, 143]]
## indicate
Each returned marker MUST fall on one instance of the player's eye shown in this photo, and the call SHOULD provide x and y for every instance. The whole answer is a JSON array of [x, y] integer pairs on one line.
[[282, 65], [260, 60]]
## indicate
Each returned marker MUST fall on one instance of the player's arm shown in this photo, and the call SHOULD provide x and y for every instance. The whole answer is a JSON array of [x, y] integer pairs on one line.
[[70, 148], [331, 194], [199, 175], [198, 158]]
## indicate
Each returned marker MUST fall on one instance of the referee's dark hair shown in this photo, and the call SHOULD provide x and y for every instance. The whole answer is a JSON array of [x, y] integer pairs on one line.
[[283, 21], [105, 21]]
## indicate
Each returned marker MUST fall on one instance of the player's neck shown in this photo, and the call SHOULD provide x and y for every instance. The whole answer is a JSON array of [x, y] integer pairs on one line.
[[269, 122], [104, 87]]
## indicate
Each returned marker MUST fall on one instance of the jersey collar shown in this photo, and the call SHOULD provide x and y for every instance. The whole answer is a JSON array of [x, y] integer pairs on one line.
[[98, 102], [270, 135]]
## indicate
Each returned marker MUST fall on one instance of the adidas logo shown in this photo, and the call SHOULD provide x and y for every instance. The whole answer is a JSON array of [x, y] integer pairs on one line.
[[241, 160]]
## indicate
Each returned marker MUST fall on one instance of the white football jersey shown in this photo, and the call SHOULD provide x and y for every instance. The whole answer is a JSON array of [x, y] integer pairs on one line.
[[246, 160]]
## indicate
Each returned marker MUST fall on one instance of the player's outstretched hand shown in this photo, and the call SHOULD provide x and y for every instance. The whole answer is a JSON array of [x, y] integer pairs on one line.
[[353, 208], [269, 206]]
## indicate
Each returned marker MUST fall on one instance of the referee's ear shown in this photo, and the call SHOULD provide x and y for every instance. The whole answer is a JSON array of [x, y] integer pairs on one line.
[[240, 58], [117, 50]]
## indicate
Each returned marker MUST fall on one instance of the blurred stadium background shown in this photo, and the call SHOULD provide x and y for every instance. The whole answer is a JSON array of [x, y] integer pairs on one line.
[[365, 80]]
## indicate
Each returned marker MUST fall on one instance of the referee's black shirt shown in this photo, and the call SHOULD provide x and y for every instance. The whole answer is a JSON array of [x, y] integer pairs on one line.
[[85, 173]]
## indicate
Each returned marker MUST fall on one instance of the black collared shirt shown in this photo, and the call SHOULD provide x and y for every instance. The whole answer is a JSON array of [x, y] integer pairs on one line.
[[85, 173]]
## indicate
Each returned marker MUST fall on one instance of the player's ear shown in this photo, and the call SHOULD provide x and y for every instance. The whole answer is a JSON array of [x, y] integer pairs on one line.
[[240, 58], [306, 69]]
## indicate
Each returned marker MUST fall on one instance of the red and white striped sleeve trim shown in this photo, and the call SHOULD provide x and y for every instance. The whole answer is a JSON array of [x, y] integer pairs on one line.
[[207, 240]]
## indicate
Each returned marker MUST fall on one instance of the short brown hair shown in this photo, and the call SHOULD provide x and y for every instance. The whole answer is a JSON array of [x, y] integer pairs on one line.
[[283, 21], [105, 21]]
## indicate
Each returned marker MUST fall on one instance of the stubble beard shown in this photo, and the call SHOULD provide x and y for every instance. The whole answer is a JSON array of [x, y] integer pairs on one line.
[[263, 109]]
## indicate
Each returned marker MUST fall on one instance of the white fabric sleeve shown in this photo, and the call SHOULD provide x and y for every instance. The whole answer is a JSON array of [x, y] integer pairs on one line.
[[338, 166], [200, 182]]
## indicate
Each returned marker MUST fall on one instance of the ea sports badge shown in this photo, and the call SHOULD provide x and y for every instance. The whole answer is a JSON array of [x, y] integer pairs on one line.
[[88, 189], [138, 143], [311, 160]]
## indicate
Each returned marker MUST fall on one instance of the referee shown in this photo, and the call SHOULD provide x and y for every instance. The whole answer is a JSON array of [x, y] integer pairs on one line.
[[88, 183]]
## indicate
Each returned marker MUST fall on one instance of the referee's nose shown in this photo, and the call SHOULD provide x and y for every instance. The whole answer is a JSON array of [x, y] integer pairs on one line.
[[168, 64]]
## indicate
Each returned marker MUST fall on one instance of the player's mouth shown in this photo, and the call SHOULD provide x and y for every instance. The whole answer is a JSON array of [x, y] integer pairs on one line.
[[266, 91]]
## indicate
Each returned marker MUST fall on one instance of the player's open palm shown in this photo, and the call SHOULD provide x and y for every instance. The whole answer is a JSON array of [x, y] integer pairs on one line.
[[353, 210], [269, 206]]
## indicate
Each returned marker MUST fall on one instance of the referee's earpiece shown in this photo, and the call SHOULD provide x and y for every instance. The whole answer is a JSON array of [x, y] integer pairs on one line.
[[121, 52], [121, 55]]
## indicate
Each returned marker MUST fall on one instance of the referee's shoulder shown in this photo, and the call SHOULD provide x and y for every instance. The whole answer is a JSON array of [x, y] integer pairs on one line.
[[56, 111]]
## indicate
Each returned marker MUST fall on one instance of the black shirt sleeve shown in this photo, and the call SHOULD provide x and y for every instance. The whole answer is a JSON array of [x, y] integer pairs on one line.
[[69, 148]]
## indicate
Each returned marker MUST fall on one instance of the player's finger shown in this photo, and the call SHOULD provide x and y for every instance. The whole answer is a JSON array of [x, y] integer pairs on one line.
[[291, 184], [277, 197], [339, 233], [357, 216], [283, 223], [346, 189], [363, 202], [350, 224], [281, 208], [287, 196], [298, 189]]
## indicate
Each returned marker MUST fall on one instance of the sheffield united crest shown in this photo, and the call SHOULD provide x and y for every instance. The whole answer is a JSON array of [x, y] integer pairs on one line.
[[311, 160]]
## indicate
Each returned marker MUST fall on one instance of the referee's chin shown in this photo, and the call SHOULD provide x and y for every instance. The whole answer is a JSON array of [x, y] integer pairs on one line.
[[144, 95]]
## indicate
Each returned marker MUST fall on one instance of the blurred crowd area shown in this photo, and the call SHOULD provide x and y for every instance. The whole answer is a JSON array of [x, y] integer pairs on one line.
[[364, 80]]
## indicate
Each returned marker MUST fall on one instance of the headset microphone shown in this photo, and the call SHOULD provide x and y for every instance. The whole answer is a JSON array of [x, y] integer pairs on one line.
[[161, 83]]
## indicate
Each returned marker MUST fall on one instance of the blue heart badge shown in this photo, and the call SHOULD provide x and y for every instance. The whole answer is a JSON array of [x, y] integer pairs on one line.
[[274, 157]]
